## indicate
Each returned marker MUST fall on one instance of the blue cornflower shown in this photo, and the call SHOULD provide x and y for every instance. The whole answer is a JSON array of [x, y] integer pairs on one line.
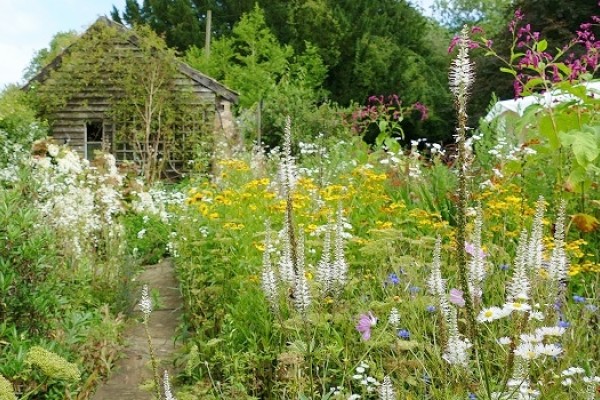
[[403, 334], [414, 290], [472, 396], [578, 299], [564, 324], [393, 279], [430, 309], [504, 267]]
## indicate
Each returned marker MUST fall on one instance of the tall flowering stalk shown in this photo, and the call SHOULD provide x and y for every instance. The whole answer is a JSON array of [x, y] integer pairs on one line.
[[477, 262], [461, 79], [302, 296], [269, 279], [146, 308], [288, 179], [340, 266], [437, 287], [167, 387]]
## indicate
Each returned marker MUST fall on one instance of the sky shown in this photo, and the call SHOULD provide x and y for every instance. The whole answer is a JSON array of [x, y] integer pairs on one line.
[[27, 26]]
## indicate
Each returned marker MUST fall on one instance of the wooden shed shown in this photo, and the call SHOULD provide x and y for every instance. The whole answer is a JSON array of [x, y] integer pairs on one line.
[[113, 90]]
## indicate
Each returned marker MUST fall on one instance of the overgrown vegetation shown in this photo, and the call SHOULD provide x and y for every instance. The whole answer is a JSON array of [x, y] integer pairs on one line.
[[342, 264]]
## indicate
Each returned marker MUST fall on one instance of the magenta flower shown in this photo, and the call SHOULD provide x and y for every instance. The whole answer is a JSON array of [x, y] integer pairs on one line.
[[456, 297], [365, 322]]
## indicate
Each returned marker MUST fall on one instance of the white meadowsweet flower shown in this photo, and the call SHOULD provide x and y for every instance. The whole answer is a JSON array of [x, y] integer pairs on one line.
[[394, 318]]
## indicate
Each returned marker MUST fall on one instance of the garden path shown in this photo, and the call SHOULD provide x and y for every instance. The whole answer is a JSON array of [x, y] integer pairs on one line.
[[135, 367]]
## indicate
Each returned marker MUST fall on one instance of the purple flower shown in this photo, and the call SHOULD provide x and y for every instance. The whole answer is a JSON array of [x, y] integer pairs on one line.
[[578, 299], [470, 249], [453, 43], [404, 334], [430, 309], [422, 109], [392, 279], [365, 322], [564, 324], [414, 290], [504, 267], [456, 297]]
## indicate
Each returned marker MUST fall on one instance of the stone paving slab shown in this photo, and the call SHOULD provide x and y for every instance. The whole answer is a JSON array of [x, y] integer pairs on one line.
[[135, 367]]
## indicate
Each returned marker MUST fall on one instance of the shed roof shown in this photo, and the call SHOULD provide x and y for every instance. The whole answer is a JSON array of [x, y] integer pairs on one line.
[[195, 75]]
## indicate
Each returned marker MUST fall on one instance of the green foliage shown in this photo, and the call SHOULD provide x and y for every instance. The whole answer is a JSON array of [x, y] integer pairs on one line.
[[18, 121], [27, 259], [147, 237], [253, 62], [59, 42]]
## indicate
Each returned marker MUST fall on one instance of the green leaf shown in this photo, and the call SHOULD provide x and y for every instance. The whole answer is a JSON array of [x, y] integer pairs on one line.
[[508, 71], [584, 145], [542, 45]]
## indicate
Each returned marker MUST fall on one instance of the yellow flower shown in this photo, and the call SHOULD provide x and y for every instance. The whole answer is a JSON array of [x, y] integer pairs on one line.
[[213, 215], [233, 226], [6, 389], [52, 365]]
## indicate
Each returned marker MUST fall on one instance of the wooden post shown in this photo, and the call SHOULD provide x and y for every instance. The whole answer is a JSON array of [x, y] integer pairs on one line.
[[208, 33], [259, 122]]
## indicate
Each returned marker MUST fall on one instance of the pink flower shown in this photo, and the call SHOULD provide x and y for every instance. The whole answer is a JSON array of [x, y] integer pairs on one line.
[[365, 322], [456, 297], [470, 249]]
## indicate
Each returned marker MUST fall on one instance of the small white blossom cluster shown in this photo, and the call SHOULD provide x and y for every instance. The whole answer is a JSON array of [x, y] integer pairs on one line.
[[369, 383], [156, 202], [78, 200]]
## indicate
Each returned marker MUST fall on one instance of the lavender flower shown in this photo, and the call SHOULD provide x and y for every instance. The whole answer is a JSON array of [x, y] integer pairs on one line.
[[456, 297]]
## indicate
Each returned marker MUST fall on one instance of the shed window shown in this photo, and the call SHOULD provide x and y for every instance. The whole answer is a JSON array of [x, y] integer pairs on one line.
[[94, 136]]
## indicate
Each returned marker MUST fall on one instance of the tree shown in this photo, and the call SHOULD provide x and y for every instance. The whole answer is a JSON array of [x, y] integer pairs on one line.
[[254, 63], [490, 14], [177, 20], [60, 41]]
